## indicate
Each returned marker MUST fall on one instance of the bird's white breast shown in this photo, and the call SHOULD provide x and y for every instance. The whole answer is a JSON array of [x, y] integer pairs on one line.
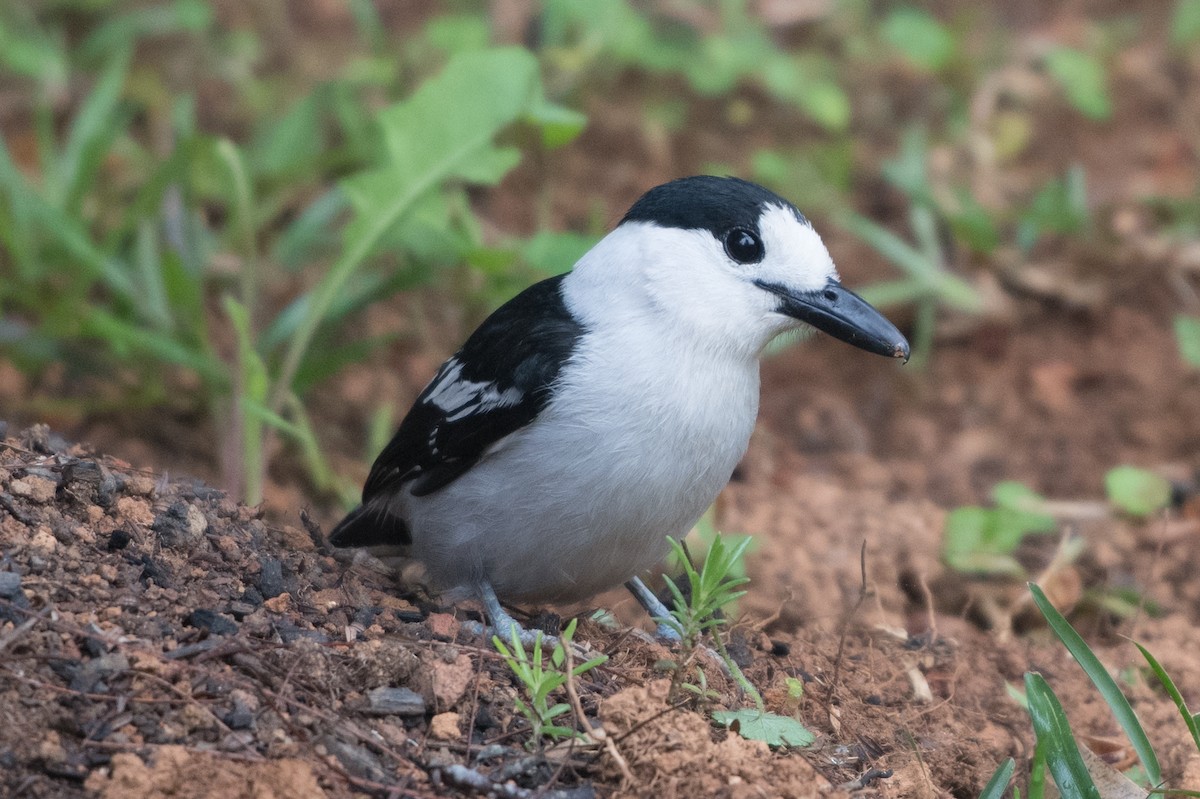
[[642, 433]]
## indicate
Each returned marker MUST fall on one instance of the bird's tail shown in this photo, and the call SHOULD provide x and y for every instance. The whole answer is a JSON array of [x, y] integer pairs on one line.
[[370, 526]]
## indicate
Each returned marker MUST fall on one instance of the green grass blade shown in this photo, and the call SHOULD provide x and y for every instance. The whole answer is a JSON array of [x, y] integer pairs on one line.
[[148, 260], [1193, 724], [999, 781], [1104, 683], [94, 124], [910, 260], [250, 386], [1062, 753], [1037, 769], [242, 197]]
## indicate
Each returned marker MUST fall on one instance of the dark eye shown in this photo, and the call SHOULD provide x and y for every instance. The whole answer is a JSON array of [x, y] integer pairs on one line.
[[744, 246]]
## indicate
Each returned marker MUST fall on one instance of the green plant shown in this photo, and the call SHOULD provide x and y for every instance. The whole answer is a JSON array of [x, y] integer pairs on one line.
[[711, 591], [920, 37], [928, 281], [982, 540], [733, 48], [1185, 22], [1083, 78], [711, 588], [540, 679], [757, 725], [1135, 491], [1073, 773], [999, 781], [1102, 680], [1187, 336], [1054, 733], [1059, 208], [136, 276]]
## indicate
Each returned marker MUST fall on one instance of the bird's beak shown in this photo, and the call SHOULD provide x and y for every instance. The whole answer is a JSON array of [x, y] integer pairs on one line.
[[841, 313]]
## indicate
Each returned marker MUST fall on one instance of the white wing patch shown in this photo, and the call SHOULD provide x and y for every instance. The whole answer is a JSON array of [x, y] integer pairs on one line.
[[459, 398]]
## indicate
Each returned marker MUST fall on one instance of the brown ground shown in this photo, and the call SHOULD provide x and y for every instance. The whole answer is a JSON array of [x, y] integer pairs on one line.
[[164, 641], [157, 639]]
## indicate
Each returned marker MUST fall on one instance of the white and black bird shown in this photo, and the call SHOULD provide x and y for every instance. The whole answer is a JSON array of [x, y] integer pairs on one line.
[[602, 410]]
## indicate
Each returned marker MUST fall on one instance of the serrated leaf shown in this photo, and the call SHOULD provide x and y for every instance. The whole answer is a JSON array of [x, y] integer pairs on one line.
[[755, 725], [1136, 491]]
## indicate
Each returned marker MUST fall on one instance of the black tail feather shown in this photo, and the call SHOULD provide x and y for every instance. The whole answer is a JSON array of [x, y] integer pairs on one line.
[[370, 526]]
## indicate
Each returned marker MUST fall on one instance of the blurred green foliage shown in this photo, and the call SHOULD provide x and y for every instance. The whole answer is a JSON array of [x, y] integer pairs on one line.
[[983, 540], [174, 213]]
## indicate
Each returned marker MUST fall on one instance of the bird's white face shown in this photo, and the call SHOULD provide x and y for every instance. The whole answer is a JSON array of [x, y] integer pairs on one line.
[[725, 265], [709, 284], [692, 283]]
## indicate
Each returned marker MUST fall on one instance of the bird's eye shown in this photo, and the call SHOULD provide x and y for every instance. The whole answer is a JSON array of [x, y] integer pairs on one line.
[[744, 246]]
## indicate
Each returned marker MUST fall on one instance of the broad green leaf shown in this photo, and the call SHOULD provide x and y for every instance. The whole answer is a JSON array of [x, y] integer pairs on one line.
[[559, 124], [1187, 336], [490, 166], [920, 37], [458, 33], [826, 102], [1104, 683], [1136, 491], [775, 730], [433, 137], [454, 116], [310, 233], [1054, 733], [1083, 79]]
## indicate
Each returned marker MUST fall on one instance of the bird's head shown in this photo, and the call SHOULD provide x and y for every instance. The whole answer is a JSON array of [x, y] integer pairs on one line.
[[727, 259]]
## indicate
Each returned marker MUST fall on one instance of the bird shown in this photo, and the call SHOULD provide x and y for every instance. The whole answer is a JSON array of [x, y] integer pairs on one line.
[[602, 410]]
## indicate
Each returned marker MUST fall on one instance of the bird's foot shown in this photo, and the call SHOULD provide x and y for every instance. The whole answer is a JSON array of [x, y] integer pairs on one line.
[[504, 630]]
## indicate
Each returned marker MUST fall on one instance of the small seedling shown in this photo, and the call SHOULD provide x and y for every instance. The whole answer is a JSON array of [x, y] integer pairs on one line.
[[756, 725], [1136, 491], [982, 540], [1063, 755], [713, 588], [540, 679]]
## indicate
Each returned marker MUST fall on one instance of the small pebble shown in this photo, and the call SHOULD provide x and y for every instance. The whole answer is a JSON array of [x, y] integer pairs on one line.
[[444, 727], [10, 585], [387, 701], [38, 489], [210, 620]]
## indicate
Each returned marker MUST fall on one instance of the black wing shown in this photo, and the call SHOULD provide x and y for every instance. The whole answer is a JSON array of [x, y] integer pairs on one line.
[[496, 384]]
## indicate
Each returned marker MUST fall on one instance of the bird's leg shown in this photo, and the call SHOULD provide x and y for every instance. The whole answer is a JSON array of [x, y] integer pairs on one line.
[[502, 624], [657, 610]]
